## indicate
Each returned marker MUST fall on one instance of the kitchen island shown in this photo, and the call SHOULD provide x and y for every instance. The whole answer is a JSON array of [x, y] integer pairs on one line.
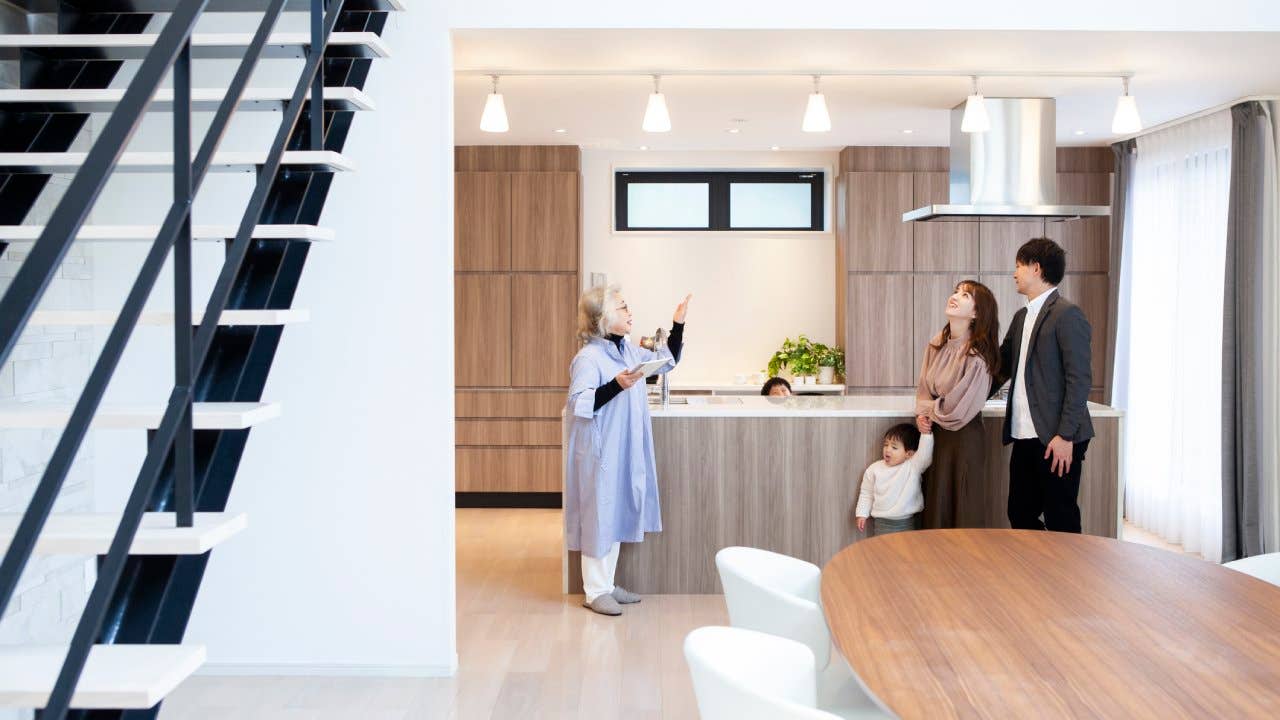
[[782, 474]]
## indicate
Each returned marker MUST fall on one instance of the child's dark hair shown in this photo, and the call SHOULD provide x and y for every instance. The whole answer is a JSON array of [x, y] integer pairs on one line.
[[906, 434], [774, 382], [1050, 255]]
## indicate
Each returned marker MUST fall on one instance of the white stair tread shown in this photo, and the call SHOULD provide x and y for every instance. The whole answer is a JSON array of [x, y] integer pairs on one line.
[[207, 416], [147, 233], [202, 99], [135, 46], [91, 533], [69, 162], [127, 677], [229, 317]]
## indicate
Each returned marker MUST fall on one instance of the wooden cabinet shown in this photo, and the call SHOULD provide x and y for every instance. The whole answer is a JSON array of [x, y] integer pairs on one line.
[[513, 469], [508, 432], [878, 239], [999, 240], [942, 246], [1087, 240], [482, 330], [880, 331], [543, 319], [481, 221], [508, 403], [544, 221], [516, 249]]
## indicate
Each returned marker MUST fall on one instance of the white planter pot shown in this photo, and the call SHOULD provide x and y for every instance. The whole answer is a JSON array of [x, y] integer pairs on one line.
[[826, 375]]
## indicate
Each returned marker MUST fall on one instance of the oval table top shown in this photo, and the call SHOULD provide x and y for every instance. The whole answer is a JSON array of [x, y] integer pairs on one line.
[[1017, 623]]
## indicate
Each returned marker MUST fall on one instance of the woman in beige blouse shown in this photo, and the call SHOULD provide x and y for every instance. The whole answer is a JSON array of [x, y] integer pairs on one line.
[[955, 380]]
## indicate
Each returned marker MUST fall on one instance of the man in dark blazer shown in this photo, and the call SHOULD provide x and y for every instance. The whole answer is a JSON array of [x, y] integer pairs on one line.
[[1045, 355]]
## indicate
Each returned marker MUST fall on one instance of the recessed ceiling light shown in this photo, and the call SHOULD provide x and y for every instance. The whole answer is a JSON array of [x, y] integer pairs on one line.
[[733, 130], [644, 147], [907, 132], [1079, 132], [561, 131], [775, 147]]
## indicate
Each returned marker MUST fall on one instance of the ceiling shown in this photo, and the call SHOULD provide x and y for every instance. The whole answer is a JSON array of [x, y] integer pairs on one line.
[[1175, 74]]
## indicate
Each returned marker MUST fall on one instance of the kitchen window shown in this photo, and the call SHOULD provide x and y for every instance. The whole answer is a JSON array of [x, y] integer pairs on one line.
[[727, 200]]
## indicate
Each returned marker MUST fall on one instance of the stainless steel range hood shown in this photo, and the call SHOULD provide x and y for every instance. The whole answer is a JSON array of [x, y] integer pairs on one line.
[[1009, 172]]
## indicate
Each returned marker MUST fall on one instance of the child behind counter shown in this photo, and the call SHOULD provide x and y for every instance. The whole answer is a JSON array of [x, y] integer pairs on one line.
[[891, 486]]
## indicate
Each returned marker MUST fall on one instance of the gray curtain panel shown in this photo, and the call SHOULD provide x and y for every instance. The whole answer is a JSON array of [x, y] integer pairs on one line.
[[1118, 280], [1243, 331]]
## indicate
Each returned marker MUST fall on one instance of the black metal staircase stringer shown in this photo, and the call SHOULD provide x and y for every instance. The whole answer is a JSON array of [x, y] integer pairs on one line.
[[154, 599]]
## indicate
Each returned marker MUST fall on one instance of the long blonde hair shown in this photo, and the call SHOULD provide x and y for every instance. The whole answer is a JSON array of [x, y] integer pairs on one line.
[[595, 312]]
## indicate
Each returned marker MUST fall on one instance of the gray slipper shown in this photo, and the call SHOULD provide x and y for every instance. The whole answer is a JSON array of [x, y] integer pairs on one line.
[[624, 596], [605, 605]]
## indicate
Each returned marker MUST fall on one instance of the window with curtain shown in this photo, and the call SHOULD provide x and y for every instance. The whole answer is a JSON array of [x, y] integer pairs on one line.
[[1176, 256]]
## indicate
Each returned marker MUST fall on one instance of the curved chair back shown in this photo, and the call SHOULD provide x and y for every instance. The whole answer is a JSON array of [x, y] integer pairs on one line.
[[775, 594], [1264, 567], [746, 675]]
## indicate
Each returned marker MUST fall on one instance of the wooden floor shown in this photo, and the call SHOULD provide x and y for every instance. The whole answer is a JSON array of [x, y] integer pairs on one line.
[[524, 650]]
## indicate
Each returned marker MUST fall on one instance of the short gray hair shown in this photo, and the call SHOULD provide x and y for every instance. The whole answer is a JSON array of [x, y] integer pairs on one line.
[[595, 312]]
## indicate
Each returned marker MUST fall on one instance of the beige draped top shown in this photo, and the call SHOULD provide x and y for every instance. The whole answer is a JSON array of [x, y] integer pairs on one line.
[[954, 384]]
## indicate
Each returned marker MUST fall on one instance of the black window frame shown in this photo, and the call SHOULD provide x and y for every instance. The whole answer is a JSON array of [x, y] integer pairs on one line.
[[718, 183]]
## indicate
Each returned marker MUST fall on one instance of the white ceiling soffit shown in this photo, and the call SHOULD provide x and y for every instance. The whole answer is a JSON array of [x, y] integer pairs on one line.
[[1175, 74]]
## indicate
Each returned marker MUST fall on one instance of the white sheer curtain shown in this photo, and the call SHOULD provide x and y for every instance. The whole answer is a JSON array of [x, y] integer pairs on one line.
[[1172, 453]]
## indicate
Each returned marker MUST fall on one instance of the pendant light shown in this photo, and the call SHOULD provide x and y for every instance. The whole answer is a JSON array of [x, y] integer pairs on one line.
[[816, 117], [656, 119], [1126, 120], [975, 118], [494, 118]]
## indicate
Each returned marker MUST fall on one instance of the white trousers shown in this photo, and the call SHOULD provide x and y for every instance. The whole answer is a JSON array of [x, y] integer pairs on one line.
[[597, 573]]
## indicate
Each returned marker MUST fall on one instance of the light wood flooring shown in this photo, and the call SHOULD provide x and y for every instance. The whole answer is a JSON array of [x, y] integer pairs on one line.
[[524, 650]]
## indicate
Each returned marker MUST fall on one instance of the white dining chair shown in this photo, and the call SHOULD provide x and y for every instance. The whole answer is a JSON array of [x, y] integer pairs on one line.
[[779, 595], [1264, 567], [746, 675]]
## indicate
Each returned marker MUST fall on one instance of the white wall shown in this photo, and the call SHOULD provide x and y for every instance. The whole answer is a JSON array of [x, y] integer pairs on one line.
[[750, 290]]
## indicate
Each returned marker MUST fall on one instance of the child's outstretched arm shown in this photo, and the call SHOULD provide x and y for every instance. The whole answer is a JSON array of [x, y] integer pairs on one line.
[[924, 453], [865, 495]]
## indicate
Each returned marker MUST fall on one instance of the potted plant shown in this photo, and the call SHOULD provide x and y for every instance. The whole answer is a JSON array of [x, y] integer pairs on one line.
[[830, 363], [798, 357]]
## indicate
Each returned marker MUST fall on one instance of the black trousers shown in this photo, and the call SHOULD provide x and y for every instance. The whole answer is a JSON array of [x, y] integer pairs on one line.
[[1035, 490]]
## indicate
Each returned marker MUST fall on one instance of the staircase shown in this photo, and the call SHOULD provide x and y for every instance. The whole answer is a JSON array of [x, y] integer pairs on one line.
[[128, 653]]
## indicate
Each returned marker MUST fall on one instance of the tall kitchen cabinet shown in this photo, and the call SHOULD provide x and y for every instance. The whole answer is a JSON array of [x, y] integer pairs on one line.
[[893, 278], [516, 261]]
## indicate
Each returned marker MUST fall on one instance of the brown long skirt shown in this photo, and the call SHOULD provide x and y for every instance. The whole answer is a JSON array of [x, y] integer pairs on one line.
[[954, 492]]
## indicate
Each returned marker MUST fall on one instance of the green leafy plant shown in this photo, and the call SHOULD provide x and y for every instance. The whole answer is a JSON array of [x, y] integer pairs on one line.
[[832, 357], [796, 356]]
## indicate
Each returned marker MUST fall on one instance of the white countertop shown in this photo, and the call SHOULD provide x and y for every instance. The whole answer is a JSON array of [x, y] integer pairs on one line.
[[842, 406], [714, 386]]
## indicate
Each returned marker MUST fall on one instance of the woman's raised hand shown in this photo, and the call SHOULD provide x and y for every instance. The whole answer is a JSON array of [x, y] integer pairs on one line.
[[681, 309]]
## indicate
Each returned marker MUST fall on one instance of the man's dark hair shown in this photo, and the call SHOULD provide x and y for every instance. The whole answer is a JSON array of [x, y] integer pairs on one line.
[[774, 382], [906, 434], [1050, 255]]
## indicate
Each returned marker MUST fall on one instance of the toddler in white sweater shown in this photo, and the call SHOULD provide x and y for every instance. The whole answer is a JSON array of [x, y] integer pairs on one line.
[[891, 486]]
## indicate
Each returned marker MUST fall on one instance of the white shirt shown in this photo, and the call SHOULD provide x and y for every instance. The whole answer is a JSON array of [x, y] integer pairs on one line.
[[1022, 426], [893, 492]]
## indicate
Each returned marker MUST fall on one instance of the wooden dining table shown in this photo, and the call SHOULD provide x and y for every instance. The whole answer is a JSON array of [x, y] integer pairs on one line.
[[1018, 623]]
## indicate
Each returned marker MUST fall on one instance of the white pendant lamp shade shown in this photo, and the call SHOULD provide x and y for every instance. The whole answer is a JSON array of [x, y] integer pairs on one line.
[[656, 119], [816, 117], [975, 118], [494, 118], [1126, 120]]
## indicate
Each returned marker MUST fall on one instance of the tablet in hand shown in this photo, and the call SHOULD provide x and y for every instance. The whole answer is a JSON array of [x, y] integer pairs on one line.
[[650, 367]]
